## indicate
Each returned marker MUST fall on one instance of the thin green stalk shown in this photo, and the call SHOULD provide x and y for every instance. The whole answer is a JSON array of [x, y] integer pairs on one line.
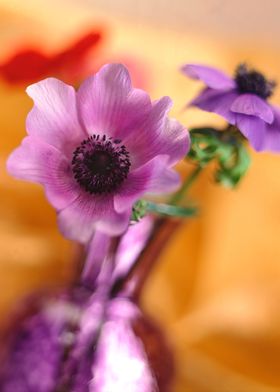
[[186, 185]]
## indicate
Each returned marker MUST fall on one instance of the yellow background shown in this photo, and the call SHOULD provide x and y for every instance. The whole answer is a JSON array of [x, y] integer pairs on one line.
[[216, 289]]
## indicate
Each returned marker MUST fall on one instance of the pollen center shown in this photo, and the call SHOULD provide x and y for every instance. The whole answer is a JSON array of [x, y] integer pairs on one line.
[[251, 81], [100, 164]]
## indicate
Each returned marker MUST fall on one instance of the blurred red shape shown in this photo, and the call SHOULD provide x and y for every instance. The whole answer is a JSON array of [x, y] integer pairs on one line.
[[31, 64]]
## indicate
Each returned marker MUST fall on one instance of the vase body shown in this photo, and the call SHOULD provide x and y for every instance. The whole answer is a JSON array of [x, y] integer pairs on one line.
[[40, 352]]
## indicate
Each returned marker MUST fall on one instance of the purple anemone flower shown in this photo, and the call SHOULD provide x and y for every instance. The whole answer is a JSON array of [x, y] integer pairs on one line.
[[90, 340], [98, 150], [242, 101]]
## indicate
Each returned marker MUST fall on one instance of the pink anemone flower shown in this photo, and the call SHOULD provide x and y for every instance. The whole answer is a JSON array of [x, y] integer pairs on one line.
[[98, 150]]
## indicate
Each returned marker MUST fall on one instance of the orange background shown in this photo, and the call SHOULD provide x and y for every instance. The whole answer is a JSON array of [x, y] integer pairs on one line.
[[216, 289]]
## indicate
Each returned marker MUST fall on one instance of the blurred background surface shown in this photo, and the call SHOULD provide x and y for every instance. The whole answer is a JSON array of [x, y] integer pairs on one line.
[[216, 290]]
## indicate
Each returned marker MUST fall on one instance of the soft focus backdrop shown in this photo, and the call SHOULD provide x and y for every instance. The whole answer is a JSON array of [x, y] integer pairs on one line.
[[216, 290]]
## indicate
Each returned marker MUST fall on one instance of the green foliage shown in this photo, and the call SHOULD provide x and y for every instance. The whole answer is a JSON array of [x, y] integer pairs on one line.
[[226, 148], [139, 210]]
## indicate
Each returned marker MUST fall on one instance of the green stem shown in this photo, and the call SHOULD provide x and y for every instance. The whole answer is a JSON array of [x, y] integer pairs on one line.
[[186, 185]]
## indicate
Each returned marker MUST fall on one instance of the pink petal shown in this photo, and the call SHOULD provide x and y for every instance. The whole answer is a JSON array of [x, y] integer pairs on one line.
[[115, 223], [108, 103], [54, 117], [166, 181], [139, 182], [89, 213], [141, 143], [212, 77], [217, 102], [253, 128], [253, 105], [121, 363], [39, 162], [158, 136], [177, 141]]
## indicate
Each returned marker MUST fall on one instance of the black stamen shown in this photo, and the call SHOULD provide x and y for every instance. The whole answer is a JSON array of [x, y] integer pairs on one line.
[[251, 81], [100, 164]]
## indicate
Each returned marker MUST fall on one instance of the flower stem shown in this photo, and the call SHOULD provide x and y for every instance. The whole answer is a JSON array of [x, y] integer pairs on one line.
[[186, 185], [134, 281]]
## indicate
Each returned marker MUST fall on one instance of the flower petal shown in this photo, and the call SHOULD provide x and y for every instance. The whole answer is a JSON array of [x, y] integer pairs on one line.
[[253, 128], [115, 223], [134, 187], [166, 181], [89, 213], [153, 177], [158, 136], [272, 133], [211, 76], [253, 105], [177, 141], [121, 363], [217, 102], [37, 161], [54, 117], [109, 105]]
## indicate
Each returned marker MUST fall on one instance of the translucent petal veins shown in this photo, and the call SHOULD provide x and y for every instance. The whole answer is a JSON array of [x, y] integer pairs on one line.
[[95, 150], [100, 164]]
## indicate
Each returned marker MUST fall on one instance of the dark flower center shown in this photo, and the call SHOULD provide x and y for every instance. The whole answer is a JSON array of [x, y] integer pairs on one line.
[[100, 164], [251, 81]]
